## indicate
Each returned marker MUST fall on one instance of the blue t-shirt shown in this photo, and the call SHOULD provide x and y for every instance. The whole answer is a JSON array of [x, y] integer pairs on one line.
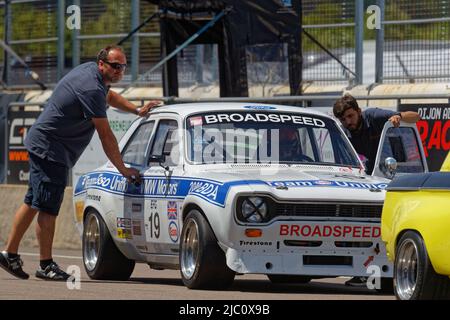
[[366, 140], [64, 129]]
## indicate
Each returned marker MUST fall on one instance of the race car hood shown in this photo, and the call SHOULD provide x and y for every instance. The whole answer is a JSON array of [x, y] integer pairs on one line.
[[292, 183]]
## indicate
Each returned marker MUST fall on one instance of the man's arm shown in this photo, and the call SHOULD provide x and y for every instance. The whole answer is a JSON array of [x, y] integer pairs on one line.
[[111, 148], [406, 116], [117, 101], [410, 116]]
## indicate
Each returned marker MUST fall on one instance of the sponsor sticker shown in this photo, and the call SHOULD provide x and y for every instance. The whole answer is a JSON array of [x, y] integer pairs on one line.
[[260, 107], [264, 117], [172, 210], [323, 183], [136, 207], [123, 233], [254, 243], [196, 121], [79, 209], [173, 231], [137, 230], [94, 197], [123, 223], [329, 231]]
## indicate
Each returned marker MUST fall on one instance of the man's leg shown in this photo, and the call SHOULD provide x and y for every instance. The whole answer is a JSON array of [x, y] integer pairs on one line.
[[9, 259], [22, 220], [45, 231]]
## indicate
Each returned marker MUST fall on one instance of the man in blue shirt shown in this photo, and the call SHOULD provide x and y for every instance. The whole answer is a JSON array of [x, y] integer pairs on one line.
[[365, 127], [76, 109], [364, 130]]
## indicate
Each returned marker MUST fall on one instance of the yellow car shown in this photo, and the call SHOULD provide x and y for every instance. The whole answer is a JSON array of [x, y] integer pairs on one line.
[[415, 225]]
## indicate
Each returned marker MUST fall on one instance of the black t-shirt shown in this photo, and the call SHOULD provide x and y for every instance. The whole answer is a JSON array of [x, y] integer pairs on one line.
[[64, 129], [366, 140]]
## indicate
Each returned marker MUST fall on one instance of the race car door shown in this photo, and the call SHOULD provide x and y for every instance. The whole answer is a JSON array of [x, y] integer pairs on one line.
[[404, 145], [163, 203], [130, 225]]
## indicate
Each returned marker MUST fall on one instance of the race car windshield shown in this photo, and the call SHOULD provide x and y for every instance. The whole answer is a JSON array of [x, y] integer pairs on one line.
[[266, 137]]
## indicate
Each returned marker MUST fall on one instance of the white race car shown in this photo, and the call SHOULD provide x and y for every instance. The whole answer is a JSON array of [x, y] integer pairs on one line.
[[240, 188]]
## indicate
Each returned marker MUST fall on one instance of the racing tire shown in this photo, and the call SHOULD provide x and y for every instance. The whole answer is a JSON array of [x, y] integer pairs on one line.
[[101, 258], [202, 261], [414, 276], [286, 279]]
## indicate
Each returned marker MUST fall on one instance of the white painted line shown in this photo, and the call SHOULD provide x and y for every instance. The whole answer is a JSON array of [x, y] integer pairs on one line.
[[56, 256]]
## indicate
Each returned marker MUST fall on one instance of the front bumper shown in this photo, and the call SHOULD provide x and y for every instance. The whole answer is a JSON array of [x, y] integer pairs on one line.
[[324, 249]]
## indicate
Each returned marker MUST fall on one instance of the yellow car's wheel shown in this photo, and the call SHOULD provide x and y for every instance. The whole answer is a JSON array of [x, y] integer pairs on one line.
[[414, 276]]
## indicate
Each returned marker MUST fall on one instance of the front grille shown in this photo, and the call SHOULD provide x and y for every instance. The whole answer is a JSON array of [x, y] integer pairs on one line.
[[328, 210]]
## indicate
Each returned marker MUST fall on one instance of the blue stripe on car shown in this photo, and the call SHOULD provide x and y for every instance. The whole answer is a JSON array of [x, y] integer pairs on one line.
[[212, 191]]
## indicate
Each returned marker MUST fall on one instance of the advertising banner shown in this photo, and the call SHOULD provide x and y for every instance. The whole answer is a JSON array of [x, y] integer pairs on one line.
[[19, 120], [434, 131]]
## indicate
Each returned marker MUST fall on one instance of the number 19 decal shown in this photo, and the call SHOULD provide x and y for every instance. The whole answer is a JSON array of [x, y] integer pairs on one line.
[[154, 225]]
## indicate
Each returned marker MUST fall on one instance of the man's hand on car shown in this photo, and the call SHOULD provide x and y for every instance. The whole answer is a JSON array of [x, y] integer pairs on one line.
[[143, 111], [396, 120], [132, 175]]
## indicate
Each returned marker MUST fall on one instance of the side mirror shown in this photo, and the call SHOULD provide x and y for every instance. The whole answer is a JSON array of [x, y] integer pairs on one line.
[[160, 159], [391, 166], [157, 158]]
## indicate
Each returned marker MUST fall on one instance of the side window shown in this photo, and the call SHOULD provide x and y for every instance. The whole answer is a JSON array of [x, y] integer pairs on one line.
[[134, 152], [401, 144], [166, 141]]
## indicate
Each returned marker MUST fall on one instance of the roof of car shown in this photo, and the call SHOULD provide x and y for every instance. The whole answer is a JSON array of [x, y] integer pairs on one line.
[[186, 109]]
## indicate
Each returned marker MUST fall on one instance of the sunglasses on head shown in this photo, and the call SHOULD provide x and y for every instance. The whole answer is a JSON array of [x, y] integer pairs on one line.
[[116, 65]]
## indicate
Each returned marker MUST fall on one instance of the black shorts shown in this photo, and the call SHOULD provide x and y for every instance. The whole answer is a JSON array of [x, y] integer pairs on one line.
[[46, 186]]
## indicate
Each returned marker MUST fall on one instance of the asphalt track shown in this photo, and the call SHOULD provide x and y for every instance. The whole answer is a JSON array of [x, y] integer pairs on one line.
[[147, 284]]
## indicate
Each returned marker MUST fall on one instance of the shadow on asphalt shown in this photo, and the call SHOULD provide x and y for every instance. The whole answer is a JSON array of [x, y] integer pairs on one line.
[[263, 286]]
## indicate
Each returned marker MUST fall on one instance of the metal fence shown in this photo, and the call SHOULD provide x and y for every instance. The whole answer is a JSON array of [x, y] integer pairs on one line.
[[328, 41], [416, 41], [36, 30], [413, 44]]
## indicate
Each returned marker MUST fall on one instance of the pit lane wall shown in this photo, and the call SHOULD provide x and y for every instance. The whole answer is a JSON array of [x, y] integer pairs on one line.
[[66, 235]]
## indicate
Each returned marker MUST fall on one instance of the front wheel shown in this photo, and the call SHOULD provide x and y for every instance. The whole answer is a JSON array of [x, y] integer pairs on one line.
[[101, 258], [202, 262], [414, 276]]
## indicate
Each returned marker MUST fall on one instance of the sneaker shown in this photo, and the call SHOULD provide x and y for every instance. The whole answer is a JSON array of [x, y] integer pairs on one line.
[[357, 282], [52, 272], [13, 265]]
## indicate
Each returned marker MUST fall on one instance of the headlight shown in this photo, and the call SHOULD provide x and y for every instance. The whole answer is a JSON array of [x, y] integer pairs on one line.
[[254, 210]]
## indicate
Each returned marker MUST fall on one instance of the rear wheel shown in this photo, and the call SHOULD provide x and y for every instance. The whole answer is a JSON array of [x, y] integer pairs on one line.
[[414, 276], [102, 260], [202, 262], [285, 279]]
